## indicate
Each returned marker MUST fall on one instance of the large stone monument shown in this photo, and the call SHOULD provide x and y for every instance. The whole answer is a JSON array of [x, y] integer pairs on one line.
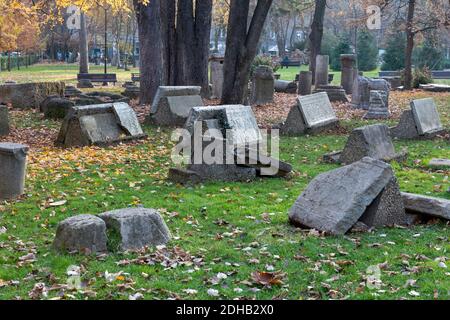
[[13, 163], [29, 95], [422, 121], [348, 63], [263, 86], [305, 83], [216, 64], [361, 91], [371, 141], [99, 125], [322, 65], [312, 114], [230, 137], [4, 120], [365, 191], [171, 105], [378, 105]]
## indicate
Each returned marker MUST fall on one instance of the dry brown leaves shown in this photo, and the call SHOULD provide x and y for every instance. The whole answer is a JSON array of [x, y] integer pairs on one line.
[[268, 278]]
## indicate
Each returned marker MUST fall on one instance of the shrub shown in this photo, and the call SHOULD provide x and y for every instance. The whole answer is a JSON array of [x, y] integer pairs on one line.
[[263, 60], [422, 76]]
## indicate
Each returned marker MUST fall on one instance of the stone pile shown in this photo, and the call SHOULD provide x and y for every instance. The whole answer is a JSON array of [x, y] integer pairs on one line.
[[362, 87], [172, 105], [71, 91], [101, 125], [133, 229]]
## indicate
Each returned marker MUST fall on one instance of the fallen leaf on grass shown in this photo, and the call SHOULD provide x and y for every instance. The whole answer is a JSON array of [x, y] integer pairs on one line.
[[268, 278]]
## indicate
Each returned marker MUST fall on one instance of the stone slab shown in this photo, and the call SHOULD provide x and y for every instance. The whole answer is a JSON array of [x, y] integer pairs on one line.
[[431, 206], [426, 116], [334, 201], [370, 141], [316, 110], [440, 163], [29, 95], [127, 119]]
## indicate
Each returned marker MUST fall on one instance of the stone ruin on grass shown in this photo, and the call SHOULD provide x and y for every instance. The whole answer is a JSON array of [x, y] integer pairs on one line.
[[233, 133], [378, 105], [362, 88], [4, 120], [263, 86], [99, 125], [421, 121], [57, 107], [171, 105], [335, 93], [371, 141], [364, 193], [120, 230], [13, 164], [29, 95], [312, 114]]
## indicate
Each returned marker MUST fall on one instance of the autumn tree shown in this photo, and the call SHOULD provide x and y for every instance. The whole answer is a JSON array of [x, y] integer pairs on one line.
[[243, 36], [316, 35]]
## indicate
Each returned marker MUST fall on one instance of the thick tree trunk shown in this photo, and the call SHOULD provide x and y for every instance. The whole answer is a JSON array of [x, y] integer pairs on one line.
[[151, 55], [316, 35], [84, 51], [242, 47], [174, 45], [409, 44]]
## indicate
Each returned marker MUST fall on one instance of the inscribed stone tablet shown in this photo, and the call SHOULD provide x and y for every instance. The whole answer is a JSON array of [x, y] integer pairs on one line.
[[426, 116], [127, 119], [316, 110]]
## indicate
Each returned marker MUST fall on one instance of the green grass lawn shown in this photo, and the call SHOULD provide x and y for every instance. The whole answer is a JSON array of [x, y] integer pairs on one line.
[[290, 73], [59, 72], [230, 228]]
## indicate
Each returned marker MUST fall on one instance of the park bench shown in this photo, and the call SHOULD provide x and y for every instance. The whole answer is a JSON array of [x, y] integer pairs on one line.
[[136, 77], [290, 63], [98, 77]]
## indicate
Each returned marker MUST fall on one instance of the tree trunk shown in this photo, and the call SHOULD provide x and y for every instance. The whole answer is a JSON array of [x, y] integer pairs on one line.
[[316, 35], [151, 56], [409, 45], [242, 47], [84, 51]]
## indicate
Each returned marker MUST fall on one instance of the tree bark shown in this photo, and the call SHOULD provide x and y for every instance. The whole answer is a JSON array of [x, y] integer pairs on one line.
[[241, 48], [84, 51], [151, 42], [316, 35], [409, 44]]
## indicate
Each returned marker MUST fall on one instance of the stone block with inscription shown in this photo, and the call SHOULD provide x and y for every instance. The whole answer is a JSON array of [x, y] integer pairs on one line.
[[171, 105], [217, 137], [102, 124], [313, 113], [422, 121]]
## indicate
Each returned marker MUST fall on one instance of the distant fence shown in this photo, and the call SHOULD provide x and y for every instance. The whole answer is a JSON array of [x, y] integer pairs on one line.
[[17, 62], [436, 74]]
